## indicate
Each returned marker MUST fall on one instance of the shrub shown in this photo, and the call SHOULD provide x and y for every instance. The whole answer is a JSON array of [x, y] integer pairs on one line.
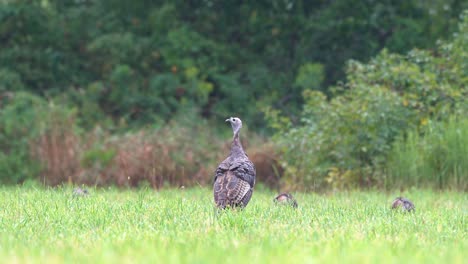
[[437, 158], [10, 81], [36, 137], [41, 140], [32, 132], [169, 155], [345, 141], [57, 146], [19, 123], [267, 164], [184, 152]]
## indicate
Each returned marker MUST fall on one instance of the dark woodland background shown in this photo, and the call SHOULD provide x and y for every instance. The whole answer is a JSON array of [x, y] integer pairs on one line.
[[333, 94]]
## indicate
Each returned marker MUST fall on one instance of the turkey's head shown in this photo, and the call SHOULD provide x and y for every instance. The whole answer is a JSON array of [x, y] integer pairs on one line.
[[397, 202], [236, 124]]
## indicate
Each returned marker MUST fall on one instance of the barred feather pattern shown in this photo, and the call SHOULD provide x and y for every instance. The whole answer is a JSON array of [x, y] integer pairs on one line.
[[234, 182]]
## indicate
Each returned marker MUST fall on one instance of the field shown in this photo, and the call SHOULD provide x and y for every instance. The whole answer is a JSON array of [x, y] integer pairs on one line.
[[180, 226]]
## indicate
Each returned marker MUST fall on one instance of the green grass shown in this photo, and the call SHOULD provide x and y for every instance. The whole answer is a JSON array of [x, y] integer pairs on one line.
[[179, 226]]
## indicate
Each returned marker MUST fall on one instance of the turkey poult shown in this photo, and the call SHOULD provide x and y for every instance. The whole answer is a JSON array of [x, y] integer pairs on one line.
[[403, 203], [286, 199], [80, 192], [235, 176]]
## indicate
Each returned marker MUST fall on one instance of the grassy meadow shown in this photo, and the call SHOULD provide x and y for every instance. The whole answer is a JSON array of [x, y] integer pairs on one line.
[[180, 226]]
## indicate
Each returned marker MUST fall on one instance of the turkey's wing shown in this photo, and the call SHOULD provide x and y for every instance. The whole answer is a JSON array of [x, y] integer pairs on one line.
[[244, 170]]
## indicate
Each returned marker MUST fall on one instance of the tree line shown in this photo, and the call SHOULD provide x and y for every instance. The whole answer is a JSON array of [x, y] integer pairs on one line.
[[143, 62]]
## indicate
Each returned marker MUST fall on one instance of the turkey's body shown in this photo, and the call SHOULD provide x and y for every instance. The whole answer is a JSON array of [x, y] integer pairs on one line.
[[234, 177], [404, 204], [234, 183]]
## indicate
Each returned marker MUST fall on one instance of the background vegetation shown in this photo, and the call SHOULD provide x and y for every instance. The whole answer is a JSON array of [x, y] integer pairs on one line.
[[349, 138], [112, 92]]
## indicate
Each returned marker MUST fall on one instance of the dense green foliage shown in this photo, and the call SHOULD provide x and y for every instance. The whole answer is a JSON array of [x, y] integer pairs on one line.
[[93, 91], [346, 140], [142, 62], [179, 226]]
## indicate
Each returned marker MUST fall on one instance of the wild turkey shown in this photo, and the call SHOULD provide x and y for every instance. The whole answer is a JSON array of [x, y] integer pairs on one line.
[[285, 199], [235, 176], [403, 203], [80, 192]]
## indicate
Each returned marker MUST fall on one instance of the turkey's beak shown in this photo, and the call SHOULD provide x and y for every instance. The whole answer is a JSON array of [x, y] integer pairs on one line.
[[228, 120]]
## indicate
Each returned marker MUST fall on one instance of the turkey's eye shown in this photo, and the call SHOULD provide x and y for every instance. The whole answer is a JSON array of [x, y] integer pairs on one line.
[[234, 120]]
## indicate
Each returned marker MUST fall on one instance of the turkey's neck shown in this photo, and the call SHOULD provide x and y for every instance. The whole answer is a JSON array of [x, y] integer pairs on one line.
[[236, 147]]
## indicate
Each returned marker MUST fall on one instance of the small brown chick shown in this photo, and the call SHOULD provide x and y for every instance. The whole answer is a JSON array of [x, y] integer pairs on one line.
[[286, 199], [404, 204]]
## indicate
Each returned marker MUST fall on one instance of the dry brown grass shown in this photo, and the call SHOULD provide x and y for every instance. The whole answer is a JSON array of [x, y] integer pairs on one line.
[[172, 156], [57, 149], [266, 161]]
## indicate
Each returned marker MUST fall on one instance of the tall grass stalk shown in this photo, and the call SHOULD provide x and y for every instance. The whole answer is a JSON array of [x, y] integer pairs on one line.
[[436, 158]]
